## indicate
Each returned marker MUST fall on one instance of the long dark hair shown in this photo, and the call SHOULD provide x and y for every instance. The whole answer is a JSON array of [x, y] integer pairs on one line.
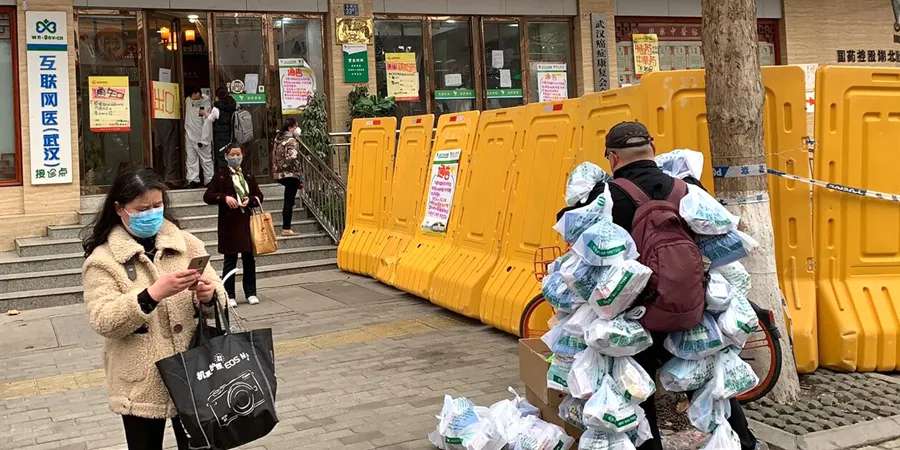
[[129, 185], [289, 123]]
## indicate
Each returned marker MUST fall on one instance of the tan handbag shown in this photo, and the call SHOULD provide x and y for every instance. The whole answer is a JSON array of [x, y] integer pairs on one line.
[[262, 231]]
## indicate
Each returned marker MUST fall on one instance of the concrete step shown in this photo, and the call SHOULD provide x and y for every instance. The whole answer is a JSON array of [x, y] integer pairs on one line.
[[180, 196], [12, 263], [195, 225], [60, 278], [196, 208], [42, 298], [46, 246]]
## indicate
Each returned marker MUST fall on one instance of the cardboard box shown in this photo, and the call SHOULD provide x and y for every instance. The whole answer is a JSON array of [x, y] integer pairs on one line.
[[533, 368]]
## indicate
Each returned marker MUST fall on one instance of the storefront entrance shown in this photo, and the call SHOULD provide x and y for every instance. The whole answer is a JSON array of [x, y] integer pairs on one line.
[[146, 64]]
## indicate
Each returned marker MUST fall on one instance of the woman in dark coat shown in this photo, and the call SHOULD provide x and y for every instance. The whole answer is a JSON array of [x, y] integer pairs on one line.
[[235, 193]]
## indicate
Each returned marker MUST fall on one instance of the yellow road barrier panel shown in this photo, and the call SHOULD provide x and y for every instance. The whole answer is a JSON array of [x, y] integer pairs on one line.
[[445, 177], [480, 212], [600, 112], [858, 238], [411, 164], [368, 185], [547, 155]]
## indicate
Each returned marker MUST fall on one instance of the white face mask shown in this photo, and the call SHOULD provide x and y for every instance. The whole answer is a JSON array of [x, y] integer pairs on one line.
[[296, 132]]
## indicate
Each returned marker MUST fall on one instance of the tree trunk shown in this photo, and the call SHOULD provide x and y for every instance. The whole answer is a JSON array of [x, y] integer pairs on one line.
[[734, 102]]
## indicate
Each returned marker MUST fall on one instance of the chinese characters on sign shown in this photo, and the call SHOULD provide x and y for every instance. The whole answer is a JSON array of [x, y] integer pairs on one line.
[[646, 53], [356, 63], [601, 53], [444, 171], [872, 56], [166, 103], [552, 81], [298, 84], [109, 105], [402, 76], [48, 97]]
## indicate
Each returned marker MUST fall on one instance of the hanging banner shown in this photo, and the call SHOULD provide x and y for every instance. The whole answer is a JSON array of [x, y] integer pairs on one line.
[[646, 53], [165, 101], [298, 84], [50, 135], [601, 52], [444, 172], [552, 81], [108, 104], [356, 63], [402, 76]]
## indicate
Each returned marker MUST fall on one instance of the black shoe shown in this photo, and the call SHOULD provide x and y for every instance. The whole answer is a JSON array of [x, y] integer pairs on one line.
[[194, 185]]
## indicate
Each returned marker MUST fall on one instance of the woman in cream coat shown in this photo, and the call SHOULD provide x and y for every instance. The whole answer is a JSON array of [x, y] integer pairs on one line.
[[143, 300]]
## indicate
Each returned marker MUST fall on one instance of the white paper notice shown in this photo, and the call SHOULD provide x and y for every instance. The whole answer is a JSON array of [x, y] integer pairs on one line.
[[453, 80], [165, 75], [809, 71], [505, 78], [497, 59], [251, 83]]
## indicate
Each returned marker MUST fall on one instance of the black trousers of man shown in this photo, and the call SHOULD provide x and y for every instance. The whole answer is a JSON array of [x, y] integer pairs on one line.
[[249, 279], [651, 360]]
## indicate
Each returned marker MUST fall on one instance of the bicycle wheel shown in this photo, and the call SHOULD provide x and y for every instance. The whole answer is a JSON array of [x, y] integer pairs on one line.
[[535, 317], [763, 352]]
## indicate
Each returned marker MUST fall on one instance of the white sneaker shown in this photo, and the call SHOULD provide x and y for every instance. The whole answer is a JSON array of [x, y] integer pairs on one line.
[[252, 300], [232, 303]]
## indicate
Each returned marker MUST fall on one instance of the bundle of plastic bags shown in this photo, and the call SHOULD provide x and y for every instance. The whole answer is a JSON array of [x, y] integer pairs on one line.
[[618, 287], [705, 215], [582, 180], [609, 410], [588, 370], [558, 294], [574, 222], [682, 375], [698, 342], [726, 248], [681, 163], [604, 244], [617, 337], [580, 277]]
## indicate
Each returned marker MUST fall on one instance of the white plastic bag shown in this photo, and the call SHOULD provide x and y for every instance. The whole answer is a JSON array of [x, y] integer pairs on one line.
[[596, 439], [582, 180], [642, 433], [617, 337], [738, 322], [736, 275], [539, 435], [682, 375], [581, 320], [588, 370], [580, 277], [707, 412], [608, 410], [704, 214], [574, 222], [557, 326], [619, 286], [558, 373], [558, 262], [724, 438], [571, 411], [726, 248], [697, 343], [718, 293], [558, 294], [732, 376], [604, 243], [568, 344], [458, 424], [681, 163], [632, 380]]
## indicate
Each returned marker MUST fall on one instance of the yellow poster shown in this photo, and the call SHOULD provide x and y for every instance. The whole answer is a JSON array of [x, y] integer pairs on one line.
[[109, 107], [166, 101], [402, 76], [646, 53]]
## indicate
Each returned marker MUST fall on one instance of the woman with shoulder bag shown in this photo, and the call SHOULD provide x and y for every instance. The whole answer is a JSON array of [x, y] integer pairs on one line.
[[142, 298], [236, 193], [286, 160]]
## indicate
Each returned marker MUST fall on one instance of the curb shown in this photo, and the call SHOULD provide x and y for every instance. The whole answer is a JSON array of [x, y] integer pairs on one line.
[[870, 432]]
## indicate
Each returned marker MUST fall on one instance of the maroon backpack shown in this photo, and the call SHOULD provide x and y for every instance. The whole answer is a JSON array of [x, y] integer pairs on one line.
[[667, 247]]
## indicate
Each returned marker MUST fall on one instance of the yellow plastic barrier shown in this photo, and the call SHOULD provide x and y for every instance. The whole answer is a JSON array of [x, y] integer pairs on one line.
[[549, 146], [677, 119], [413, 148], [480, 212], [368, 185], [422, 256], [858, 239], [784, 127], [599, 112]]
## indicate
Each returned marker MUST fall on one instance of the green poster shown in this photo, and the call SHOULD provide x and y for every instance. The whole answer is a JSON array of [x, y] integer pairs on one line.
[[356, 63]]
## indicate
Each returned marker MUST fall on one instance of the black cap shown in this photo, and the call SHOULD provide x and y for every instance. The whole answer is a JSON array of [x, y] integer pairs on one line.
[[628, 134]]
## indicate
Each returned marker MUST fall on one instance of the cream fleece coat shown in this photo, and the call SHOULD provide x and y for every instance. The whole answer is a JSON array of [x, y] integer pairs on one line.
[[134, 385]]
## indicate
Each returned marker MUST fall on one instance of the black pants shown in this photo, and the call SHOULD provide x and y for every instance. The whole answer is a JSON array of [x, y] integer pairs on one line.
[[291, 185], [249, 281], [651, 360], [147, 434]]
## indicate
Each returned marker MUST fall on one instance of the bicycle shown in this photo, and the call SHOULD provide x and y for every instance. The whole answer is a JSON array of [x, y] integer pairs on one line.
[[762, 350]]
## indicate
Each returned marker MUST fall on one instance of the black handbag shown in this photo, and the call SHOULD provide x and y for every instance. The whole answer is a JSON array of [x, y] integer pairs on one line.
[[224, 385]]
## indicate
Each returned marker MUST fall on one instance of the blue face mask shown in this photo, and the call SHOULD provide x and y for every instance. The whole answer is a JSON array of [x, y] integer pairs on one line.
[[145, 224]]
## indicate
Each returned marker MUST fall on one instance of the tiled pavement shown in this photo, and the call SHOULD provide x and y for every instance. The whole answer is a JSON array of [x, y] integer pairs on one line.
[[359, 366]]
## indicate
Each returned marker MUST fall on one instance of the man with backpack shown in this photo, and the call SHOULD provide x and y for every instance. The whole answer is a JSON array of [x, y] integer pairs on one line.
[[646, 203]]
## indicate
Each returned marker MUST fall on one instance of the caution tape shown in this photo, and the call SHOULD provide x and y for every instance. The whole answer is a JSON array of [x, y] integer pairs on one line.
[[842, 188], [751, 170], [745, 200]]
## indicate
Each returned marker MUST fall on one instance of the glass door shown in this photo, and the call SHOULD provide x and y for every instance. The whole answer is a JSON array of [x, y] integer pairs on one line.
[[111, 120], [400, 64], [240, 56], [502, 63], [452, 66], [297, 44]]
